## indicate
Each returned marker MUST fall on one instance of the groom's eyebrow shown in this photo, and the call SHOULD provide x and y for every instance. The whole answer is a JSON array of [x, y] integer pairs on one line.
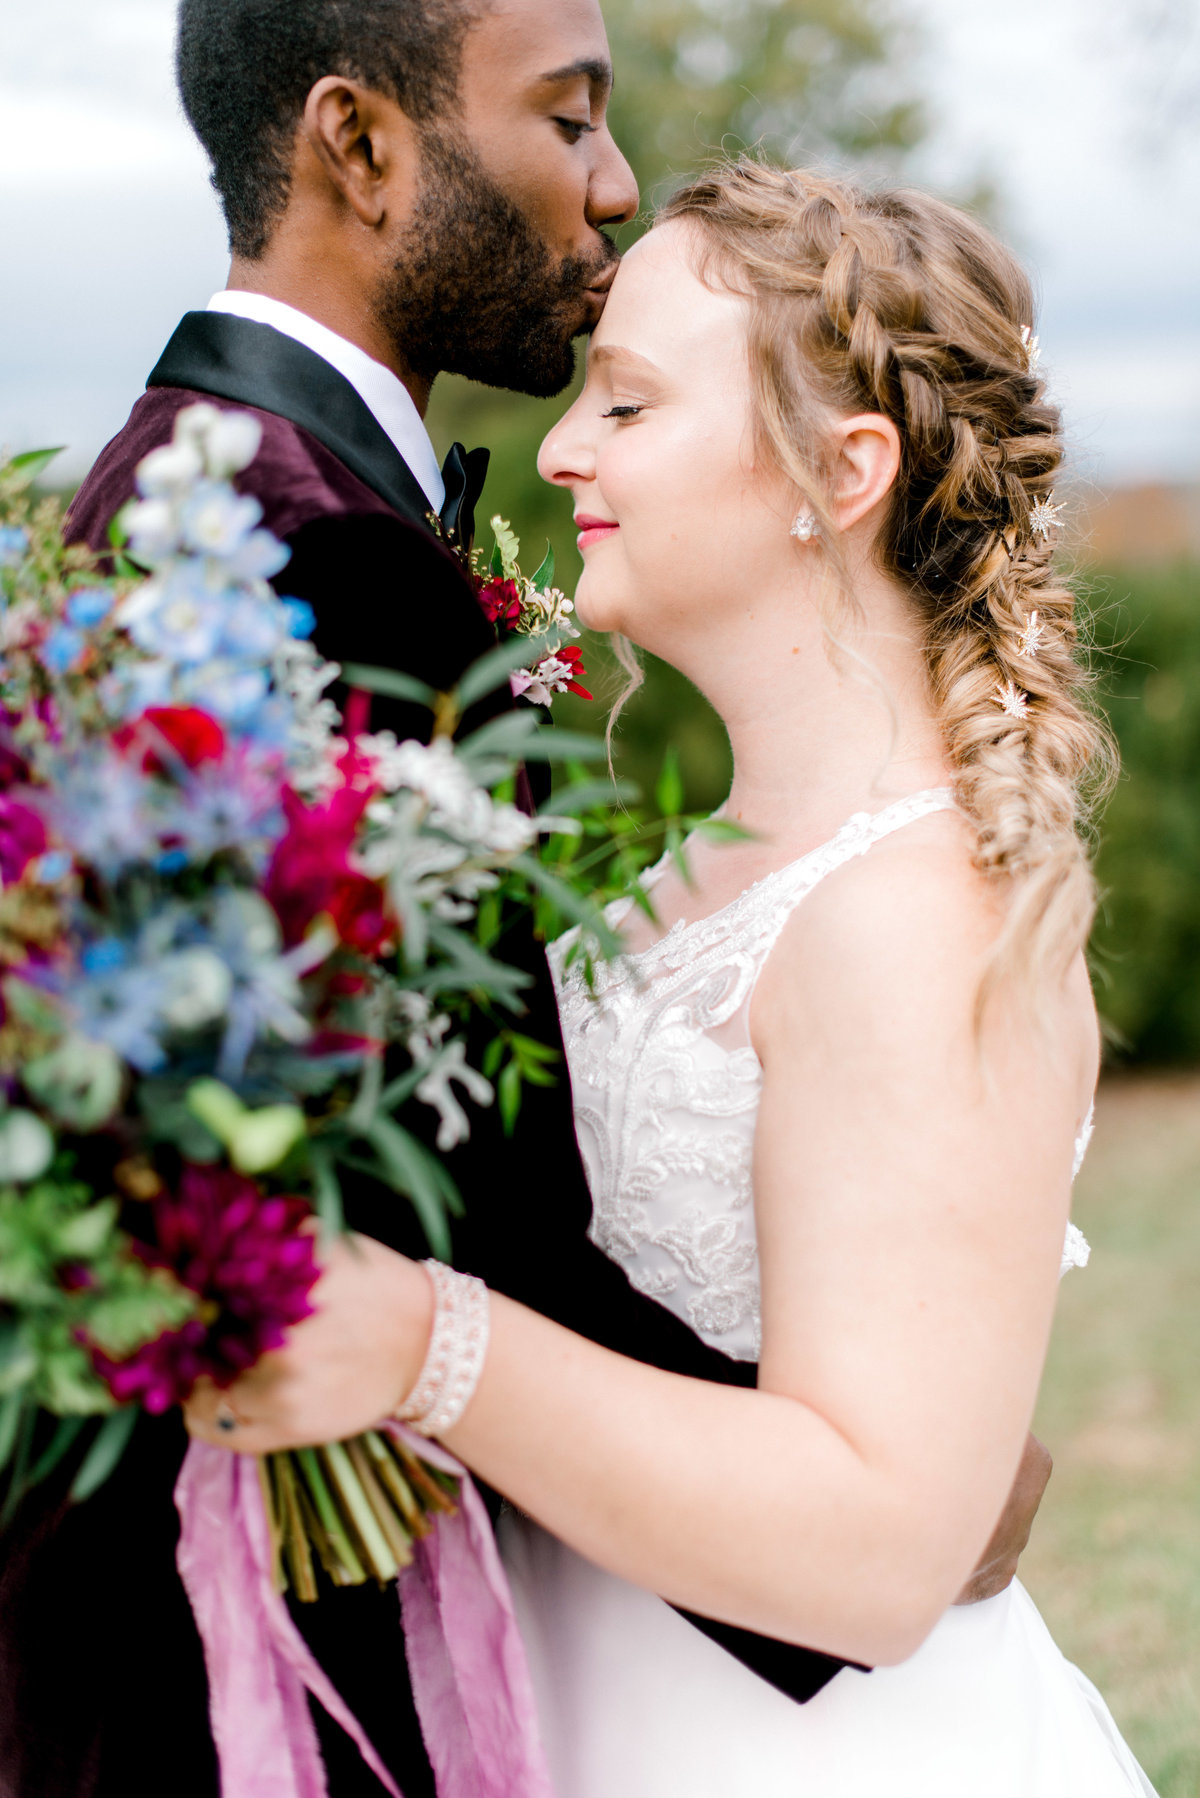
[[592, 69]]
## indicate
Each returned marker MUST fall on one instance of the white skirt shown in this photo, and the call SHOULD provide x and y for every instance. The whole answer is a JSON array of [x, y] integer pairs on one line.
[[635, 1703]]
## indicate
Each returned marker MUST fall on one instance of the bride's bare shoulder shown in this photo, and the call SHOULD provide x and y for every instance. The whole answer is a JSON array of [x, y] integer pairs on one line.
[[899, 940]]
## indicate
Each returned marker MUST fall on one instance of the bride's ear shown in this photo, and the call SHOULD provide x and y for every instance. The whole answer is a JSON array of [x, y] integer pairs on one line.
[[866, 463]]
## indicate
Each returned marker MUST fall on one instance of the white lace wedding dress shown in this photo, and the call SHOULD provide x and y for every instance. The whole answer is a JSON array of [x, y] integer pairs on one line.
[[634, 1702]]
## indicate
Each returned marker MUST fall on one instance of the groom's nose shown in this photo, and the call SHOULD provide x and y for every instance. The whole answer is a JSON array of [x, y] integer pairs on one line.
[[612, 197]]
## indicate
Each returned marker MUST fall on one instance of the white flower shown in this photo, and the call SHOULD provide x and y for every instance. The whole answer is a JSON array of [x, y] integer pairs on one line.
[[153, 529], [169, 471], [193, 424], [1043, 517], [1012, 702], [197, 986], [540, 684], [231, 444], [27, 1147]]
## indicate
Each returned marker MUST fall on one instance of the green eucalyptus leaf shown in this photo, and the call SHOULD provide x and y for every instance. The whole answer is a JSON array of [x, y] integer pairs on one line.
[[668, 790], [32, 463], [59, 1445], [508, 1097], [553, 744], [580, 797], [411, 1169], [10, 1424], [327, 1189], [493, 669], [722, 830], [111, 1441], [390, 683]]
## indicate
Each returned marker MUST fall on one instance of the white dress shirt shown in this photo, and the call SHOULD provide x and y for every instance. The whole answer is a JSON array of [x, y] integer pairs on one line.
[[383, 393]]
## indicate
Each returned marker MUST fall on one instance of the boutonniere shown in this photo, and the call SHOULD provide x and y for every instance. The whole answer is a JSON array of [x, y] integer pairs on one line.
[[521, 605]]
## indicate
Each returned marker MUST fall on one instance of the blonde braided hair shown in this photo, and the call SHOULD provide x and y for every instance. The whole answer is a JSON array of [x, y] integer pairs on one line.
[[899, 304]]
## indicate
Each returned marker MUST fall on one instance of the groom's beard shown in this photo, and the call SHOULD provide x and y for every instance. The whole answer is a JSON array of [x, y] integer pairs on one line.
[[475, 290]]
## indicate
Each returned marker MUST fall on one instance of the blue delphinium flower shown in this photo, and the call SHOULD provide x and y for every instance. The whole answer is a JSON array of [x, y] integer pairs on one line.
[[215, 520], [302, 620], [254, 628], [229, 690], [13, 545], [259, 558], [62, 648], [99, 807], [178, 615], [266, 998], [120, 1006], [87, 606], [231, 806]]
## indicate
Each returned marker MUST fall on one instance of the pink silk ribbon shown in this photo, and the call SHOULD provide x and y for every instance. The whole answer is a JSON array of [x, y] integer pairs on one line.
[[466, 1659]]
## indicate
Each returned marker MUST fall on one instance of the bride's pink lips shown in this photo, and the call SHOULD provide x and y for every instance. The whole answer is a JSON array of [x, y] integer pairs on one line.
[[591, 530]]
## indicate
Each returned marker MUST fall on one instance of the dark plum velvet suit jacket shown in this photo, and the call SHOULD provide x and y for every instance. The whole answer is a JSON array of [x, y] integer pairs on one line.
[[102, 1684]]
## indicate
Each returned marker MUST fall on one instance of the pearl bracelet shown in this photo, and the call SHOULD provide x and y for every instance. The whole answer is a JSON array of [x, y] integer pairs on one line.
[[457, 1349]]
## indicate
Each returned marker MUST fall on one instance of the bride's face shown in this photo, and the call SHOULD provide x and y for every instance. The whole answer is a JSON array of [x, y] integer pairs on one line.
[[678, 528]]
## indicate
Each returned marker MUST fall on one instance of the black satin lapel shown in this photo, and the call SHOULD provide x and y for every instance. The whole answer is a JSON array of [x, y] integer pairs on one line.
[[254, 365]]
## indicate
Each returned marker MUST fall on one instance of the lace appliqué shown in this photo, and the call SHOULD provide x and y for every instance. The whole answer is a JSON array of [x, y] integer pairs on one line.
[[665, 1108]]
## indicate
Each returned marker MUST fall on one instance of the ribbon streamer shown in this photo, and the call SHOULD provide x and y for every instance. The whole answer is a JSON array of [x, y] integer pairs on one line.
[[466, 1659]]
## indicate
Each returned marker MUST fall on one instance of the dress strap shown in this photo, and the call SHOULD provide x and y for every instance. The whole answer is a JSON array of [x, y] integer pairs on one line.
[[777, 896]]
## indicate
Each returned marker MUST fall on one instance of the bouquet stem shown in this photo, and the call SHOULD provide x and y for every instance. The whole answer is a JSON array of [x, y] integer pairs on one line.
[[358, 1505]]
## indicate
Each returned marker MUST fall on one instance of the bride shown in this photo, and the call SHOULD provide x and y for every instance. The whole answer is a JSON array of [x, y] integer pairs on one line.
[[832, 1098]]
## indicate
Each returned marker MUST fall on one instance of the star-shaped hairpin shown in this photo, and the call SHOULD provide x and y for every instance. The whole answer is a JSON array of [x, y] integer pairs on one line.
[[1012, 702], [1033, 349], [1043, 517], [1032, 637]]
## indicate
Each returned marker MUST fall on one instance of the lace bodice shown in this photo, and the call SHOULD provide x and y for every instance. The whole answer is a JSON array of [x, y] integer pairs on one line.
[[667, 1086]]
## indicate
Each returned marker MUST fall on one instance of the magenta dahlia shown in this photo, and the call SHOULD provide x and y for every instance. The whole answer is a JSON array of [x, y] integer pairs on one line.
[[247, 1258]]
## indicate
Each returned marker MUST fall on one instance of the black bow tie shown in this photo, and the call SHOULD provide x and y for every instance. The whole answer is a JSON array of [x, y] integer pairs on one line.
[[463, 472]]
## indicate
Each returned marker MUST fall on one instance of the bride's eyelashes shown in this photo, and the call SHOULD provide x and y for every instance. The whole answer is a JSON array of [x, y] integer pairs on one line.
[[622, 412]]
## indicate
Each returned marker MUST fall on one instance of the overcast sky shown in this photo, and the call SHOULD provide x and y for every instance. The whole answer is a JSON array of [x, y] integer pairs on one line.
[[1071, 107]]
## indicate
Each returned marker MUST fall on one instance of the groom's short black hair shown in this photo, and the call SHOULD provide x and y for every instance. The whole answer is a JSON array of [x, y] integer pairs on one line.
[[246, 67]]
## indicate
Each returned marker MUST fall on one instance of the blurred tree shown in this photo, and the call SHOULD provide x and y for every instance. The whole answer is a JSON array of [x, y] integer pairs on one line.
[[806, 80], [1146, 945]]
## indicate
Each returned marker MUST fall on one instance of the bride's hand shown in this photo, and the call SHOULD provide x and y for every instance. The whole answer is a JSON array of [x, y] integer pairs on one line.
[[341, 1371]]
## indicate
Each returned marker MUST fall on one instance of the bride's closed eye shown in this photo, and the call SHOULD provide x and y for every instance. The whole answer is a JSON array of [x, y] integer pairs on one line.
[[623, 412]]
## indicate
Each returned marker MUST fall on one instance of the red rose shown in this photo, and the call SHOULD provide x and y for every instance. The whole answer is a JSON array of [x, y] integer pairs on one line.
[[191, 734]]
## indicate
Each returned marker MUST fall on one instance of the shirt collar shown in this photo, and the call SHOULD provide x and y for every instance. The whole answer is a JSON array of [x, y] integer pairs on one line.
[[382, 392]]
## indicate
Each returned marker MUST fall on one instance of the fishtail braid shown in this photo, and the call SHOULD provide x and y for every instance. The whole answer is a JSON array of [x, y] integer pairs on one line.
[[900, 304]]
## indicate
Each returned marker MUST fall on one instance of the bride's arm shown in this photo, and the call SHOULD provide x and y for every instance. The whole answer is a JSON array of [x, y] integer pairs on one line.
[[911, 1190]]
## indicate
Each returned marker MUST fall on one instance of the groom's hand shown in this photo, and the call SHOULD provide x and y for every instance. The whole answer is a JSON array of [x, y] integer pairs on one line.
[[998, 1567]]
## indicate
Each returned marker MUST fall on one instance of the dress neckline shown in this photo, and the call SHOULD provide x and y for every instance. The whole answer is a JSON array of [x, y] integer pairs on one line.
[[857, 822]]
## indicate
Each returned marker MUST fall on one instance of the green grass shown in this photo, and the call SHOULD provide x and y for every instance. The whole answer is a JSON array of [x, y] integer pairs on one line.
[[1115, 1560]]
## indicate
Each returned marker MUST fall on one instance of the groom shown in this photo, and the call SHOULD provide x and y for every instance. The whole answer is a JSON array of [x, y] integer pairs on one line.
[[411, 186]]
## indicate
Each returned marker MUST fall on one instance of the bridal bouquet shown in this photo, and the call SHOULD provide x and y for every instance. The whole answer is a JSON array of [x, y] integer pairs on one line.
[[238, 940]]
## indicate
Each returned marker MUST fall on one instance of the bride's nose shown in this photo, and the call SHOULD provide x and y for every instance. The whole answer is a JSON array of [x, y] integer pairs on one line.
[[568, 452]]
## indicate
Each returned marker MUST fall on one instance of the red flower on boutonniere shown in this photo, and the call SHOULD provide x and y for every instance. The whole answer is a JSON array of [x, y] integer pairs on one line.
[[501, 602]]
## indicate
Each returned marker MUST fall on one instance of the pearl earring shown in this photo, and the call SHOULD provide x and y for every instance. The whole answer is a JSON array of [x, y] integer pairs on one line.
[[804, 527]]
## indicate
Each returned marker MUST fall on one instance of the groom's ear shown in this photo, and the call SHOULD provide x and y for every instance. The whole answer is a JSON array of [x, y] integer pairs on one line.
[[364, 144]]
